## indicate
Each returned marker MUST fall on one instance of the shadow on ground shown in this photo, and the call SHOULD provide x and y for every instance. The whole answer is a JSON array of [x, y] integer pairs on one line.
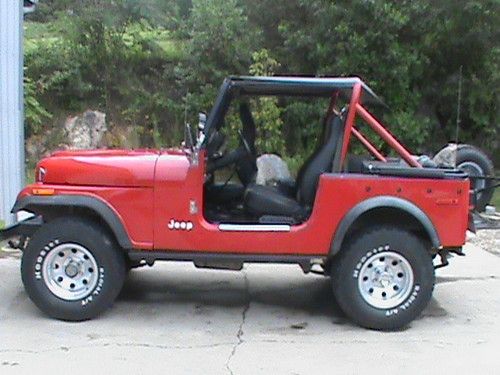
[[310, 294]]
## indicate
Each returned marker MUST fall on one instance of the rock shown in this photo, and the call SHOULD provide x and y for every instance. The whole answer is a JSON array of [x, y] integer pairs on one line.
[[447, 156], [86, 131], [270, 169]]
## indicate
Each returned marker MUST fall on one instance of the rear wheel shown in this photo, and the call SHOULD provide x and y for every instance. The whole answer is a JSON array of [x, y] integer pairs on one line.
[[72, 269], [383, 278]]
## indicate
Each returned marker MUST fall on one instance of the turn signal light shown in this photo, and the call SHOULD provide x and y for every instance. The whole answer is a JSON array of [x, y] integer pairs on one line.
[[43, 191]]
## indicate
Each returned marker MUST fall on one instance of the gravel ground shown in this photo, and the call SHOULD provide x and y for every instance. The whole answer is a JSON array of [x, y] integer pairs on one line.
[[488, 240]]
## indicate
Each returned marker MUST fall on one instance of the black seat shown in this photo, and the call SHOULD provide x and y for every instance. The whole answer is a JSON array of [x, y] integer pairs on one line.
[[264, 200], [246, 167], [221, 193]]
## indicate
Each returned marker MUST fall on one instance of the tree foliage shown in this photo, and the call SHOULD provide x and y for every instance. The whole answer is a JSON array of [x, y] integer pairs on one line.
[[145, 62], [268, 114]]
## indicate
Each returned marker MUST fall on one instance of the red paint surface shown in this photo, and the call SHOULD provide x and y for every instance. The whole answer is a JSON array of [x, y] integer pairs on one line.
[[133, 206], [337, 194], [148, 188], [119, 168], [158, 187]]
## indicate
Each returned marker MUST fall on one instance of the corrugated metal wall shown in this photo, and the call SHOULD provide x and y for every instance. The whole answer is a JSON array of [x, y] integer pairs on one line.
[[11, 106]]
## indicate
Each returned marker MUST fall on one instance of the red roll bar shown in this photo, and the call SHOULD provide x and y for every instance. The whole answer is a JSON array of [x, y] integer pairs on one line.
[[368, 144], [355, 108]]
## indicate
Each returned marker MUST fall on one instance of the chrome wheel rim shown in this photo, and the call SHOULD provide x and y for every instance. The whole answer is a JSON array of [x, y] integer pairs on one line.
[[70, 271], [385, 280], [473, 170]]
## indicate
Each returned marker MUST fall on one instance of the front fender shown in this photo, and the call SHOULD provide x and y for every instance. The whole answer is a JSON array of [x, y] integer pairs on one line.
[[40, 204]]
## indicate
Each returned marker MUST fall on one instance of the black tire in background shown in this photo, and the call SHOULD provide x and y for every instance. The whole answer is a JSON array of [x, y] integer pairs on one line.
[[58, 257], [475, 162], [360, 290]]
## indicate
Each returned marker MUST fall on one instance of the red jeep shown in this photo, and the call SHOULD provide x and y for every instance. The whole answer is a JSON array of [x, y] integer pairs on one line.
[[372, 224]]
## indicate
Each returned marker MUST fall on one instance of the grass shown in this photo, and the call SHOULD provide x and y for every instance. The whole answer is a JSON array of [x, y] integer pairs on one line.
[[30, 173], [38, 30]]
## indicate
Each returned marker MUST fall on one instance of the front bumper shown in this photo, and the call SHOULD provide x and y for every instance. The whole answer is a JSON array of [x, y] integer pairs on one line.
[[23, 228]]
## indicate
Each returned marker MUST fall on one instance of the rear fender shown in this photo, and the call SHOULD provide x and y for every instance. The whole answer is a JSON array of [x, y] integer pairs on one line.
[[383, 202]]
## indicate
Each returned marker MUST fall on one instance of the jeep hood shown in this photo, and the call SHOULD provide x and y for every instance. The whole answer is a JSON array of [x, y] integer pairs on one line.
[[117, 168]]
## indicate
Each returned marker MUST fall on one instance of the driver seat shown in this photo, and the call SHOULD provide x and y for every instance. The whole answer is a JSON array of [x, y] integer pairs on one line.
[[266, 200]]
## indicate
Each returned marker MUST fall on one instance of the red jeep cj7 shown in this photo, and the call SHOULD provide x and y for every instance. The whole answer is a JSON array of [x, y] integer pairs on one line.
[[373, 224]]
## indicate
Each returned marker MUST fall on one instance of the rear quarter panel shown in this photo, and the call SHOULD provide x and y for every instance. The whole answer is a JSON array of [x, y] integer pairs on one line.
[[445, 202]]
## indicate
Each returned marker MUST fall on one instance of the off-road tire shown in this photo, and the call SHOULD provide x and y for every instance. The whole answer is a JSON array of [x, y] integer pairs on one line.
[[63, 233], [380, 241], [467, 154]]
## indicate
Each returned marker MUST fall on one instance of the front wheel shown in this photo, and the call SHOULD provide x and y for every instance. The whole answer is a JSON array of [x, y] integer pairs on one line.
[[72, 269], [383, 278]]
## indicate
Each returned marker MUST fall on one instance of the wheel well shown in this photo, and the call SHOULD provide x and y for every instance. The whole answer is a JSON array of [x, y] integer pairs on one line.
[[389, 216], [385, 216], [77, 205], [50, 214]]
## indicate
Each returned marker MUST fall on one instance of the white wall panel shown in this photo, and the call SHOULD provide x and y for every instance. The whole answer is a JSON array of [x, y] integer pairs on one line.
[[11, 106]]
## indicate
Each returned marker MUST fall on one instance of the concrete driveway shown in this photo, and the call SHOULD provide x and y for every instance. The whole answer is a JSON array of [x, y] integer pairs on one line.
[[175, 319]]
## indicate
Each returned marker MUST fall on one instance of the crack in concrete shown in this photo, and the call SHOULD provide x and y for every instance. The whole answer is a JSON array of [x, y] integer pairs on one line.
[[119, 345], [239, 333], [374, 341], [181, 347]]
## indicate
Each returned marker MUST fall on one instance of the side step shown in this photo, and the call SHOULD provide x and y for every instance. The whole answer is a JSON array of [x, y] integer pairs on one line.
[[225, 261]]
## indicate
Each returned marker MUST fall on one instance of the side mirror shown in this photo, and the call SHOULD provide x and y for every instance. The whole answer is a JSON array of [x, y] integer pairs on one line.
[[202, 120]]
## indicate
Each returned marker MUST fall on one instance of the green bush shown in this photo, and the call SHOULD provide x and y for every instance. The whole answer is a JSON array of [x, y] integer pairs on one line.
[[147, 63]]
